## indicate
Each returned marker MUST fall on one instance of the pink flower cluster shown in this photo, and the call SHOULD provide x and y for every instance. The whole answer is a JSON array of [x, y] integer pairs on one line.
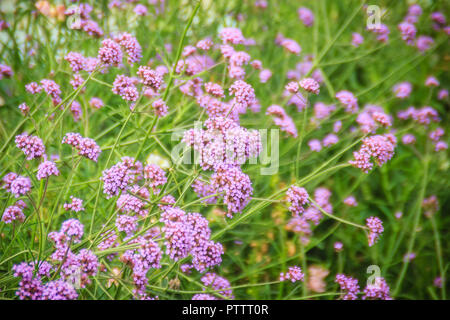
[[375, 226], [293, 274], [75, 205], [298, 198], [125, 87], [349, 286], [189, 233], [46, 169], [283, 120], [86, 147], [17, 185], [32, 146], [380, 148]]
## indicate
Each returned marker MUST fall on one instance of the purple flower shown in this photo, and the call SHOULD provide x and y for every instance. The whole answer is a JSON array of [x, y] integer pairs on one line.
[[76, 205], [13, 213], [294, 274], [298, 198], [306, 16], [357, 39], [231, 35], [348, 100], [20, 186], [125, 87], [216, 282], [315, 145], [150, 78], [349, 286], [110, 53], [32, 146], [47, 169], [310, 85], [375, 226], [377, 290]]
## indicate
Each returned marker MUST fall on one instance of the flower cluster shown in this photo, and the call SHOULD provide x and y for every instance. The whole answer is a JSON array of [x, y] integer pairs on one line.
[[32, 146], [86, 147], [380, 148], [293, 274]]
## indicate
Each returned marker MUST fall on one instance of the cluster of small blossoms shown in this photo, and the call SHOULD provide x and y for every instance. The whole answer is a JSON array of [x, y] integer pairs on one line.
[[32, 146], [349, 286], [380, 148], [414, 12], [310, 85], [131, 47], [75, 109], [110, 53], [306, 16], [13, 213], [315, 145], [24, 108], [223, 144], [86, 147], [189, 233], [378, 290], [408, 139], [46, 169], [371, 117], [125, 87], [338, 246], [348, 100], [33, 88], [408, 32], [350, 201], [150, 78], [375, 226], [298, 198], [160, 107], [231, 36], [52, 89], [115, 179], [357, 39], [323, 111], [283, 120], [5, 71], [147, 255], [155, 176], [402, 90], [244, 94], [79, 62], [214, 89], [293, 274], [381, 30], [216, 282], [330, 139], [423, 43], [15, 184], [75, 205], [96, 103], [424, 115], [236, 187], [30, 285]]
